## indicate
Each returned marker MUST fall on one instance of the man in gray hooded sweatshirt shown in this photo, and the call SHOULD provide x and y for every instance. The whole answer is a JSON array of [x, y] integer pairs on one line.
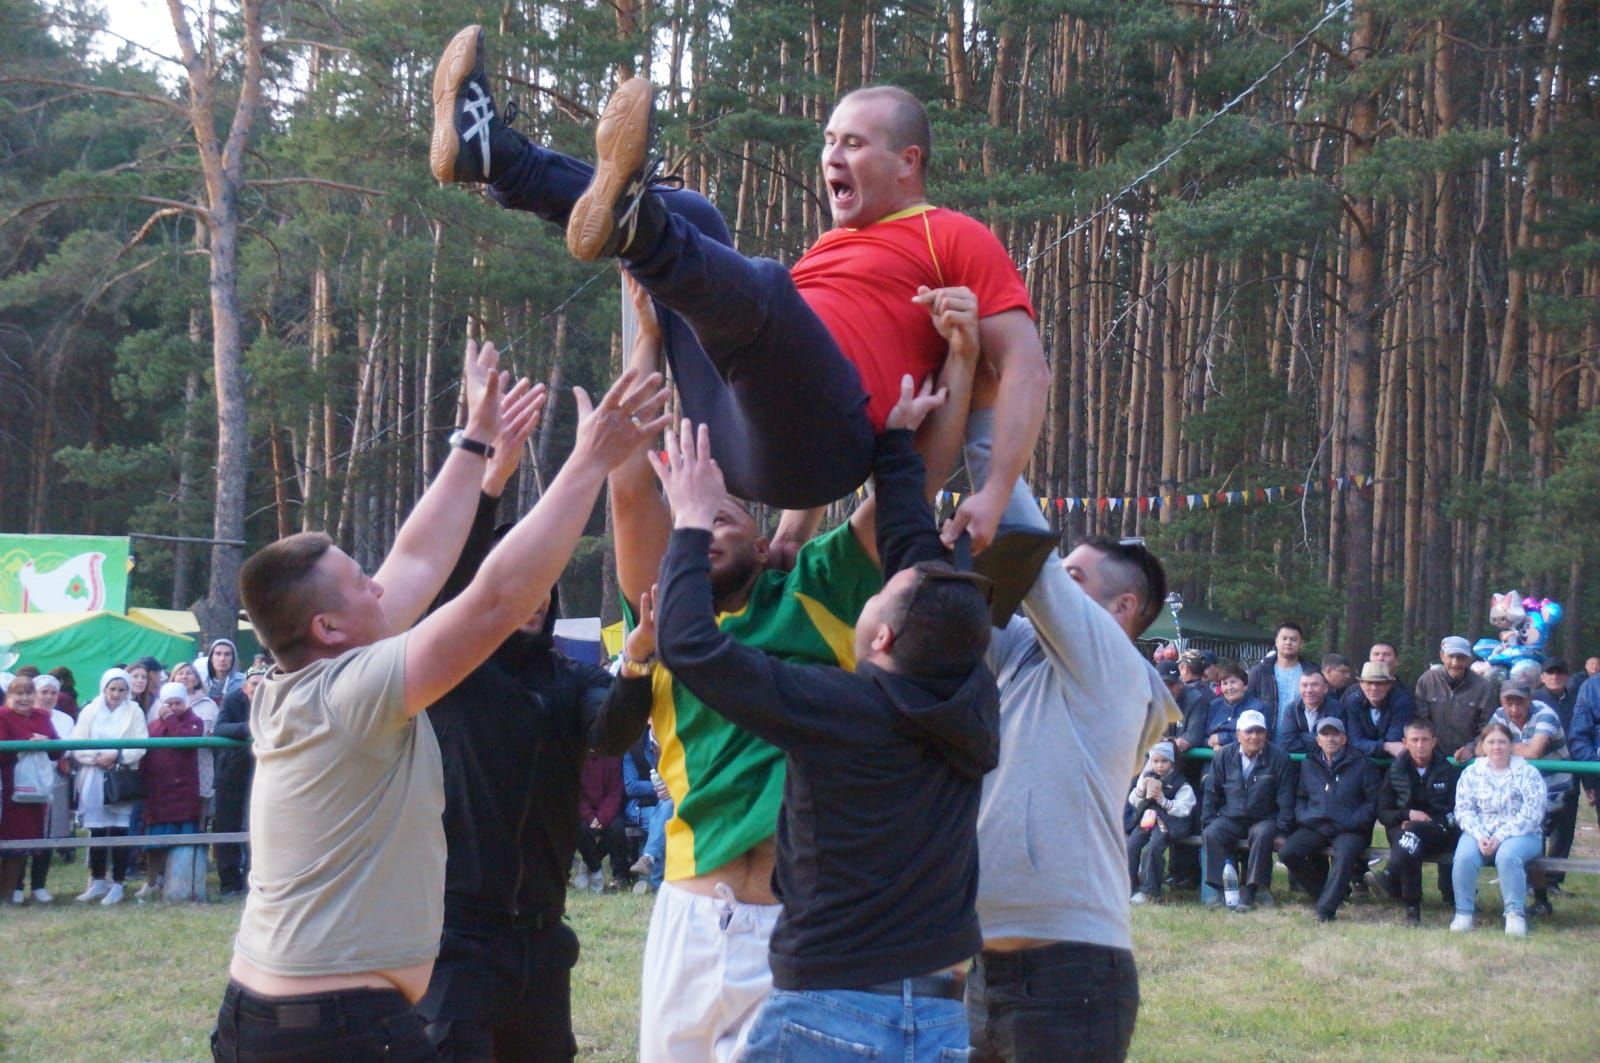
[[1078, 704]]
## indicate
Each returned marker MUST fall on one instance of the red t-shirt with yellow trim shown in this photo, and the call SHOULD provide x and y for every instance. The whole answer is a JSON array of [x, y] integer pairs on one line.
[[860, 283]]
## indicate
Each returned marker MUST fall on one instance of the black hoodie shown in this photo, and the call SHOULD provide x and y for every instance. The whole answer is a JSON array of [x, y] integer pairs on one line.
[[514, 735], [877, 864]]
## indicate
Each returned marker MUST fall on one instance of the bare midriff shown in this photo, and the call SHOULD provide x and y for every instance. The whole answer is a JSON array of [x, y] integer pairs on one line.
[[749, 876], [411, 981], [1016, 944]]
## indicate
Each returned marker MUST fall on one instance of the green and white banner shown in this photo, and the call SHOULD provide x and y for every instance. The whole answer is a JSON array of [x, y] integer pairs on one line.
[[63, 573]]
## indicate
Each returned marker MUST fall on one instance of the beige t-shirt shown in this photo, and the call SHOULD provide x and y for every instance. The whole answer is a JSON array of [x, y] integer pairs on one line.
[[346, 836]]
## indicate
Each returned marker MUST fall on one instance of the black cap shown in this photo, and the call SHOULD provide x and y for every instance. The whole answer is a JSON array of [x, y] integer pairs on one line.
[[1169, 671], [1557, 665]]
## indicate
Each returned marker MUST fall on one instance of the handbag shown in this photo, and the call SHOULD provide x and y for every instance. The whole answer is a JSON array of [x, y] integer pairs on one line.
[[32, 779], [123, 784]]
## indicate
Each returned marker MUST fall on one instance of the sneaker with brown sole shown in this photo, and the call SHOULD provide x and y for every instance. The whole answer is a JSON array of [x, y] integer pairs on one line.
[[598, 227], [463, 112]]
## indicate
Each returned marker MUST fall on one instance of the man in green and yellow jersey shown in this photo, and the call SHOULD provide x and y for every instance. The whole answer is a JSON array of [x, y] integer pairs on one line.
[[706, 971]]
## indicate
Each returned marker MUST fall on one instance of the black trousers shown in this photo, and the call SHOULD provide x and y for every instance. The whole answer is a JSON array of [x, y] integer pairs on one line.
[[1147, 850], [38, 870], [1563, 825], [232, 805], [502, 991], [1302, 853], [1407, 848], [595, 845], [347, 1026], [1223, 833], [121, 856], [1069, 1001]]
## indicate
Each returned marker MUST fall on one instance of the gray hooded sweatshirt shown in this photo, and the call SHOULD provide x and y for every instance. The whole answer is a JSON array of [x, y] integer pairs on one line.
[[1078, 705]]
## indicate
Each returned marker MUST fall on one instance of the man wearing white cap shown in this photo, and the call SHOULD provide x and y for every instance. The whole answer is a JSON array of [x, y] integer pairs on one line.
[[1455, 699], [1335, 807], [1250, 794]]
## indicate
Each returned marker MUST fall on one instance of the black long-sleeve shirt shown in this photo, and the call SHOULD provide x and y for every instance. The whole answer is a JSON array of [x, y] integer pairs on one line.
[[877, 863]]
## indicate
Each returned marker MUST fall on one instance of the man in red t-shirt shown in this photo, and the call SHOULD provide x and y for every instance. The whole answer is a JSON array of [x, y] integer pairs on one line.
[[795, 368]]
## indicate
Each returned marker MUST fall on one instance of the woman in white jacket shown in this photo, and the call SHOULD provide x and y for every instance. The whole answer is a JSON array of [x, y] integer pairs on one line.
[[1500, 803], [112, 715]]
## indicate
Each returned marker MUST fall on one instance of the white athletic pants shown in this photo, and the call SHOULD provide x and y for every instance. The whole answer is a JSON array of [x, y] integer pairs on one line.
[[705, 976]]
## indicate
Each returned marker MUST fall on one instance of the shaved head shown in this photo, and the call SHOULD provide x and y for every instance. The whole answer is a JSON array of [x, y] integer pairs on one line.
[[906, 120]]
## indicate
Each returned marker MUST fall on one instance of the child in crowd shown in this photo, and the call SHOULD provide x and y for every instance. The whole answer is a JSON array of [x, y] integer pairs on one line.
[[1163, 804]]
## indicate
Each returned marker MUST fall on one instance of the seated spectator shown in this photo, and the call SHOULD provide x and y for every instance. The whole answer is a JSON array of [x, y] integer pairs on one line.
[[1336, 669], [1193, 703], [1297, 729], [1455, 699], [1249, 794], [1235, 700], [1163, 806], [638, 794], [603, 828], [1374, 713], [1537, 734], [172, 803], [112, 715], [1417, 806], [1500, 805], [21, 721], [650, 868], [233, 770], [1335, 806]]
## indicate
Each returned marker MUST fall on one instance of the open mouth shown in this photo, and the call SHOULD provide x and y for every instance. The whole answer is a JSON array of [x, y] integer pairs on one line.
[[841, 193]]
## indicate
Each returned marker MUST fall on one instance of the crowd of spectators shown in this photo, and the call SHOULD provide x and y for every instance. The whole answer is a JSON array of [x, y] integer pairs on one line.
[[1442, 764], [117, 792]]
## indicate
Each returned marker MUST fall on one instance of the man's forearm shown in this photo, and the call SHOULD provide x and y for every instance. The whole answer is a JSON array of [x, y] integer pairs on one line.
[[1019, 414], [430, 540]]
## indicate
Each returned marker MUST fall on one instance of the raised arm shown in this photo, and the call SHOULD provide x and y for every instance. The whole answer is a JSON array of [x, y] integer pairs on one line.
[[519, 572], [430, 541], [640, 520]]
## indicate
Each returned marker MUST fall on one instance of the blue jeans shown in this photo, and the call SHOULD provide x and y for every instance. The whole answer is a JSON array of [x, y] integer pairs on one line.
[[786, 408], [1510, 860], [851, 1026], [655, 840]]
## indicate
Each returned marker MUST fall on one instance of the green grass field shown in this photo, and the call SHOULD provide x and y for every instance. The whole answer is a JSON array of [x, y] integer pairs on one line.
[[142, 981]]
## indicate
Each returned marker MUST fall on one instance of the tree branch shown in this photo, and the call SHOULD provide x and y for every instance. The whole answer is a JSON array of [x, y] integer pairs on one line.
[[94, 90], [319, 182]]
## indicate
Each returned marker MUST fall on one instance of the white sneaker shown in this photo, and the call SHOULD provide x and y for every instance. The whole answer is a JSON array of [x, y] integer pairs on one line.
[[1139, 898], [151, 887], [1461, 923], [113, 895], [1516, 926], [98, 888], [17, 896], [581, 880], [43, 896]]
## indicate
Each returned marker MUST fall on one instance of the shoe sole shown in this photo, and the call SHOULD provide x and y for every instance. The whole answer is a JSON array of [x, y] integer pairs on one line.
[[621, 140], [460, 58]]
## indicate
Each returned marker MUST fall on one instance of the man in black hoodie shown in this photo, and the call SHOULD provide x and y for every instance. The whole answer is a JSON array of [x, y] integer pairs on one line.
[[513, 736], [877, 864], [1417, 806], [1336, 805]]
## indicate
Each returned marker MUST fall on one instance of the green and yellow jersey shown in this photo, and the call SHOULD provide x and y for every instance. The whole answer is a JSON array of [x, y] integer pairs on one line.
[[726, 783]]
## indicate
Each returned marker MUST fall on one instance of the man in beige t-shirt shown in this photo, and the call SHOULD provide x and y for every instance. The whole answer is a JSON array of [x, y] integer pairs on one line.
[[342, 923]]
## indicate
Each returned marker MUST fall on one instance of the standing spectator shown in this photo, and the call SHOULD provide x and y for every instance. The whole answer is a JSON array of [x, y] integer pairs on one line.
[[203, 706], [1585, 742], [1194, 702], [68, 701], [1417, 805], [1375, 714], [142, 688], [1553, 690], [112, 715], [1336, 669], [1250, 794], [1386, 654], [1500, 804], [172, 802], [20, 821], [1234, 701], [221, 673], [1455, 699], [1561, 695], [1335, 806], [46, 698], [600, 813], [1275, 681], [232, 771], [1163, 806], [1297, 728]]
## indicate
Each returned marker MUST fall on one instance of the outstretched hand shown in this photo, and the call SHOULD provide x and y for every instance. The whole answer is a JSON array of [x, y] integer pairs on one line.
[[627, 419], [641, 641], [979, 515], [915, 403], [520, 412], [691, 477], [482, 384], [955, 316]]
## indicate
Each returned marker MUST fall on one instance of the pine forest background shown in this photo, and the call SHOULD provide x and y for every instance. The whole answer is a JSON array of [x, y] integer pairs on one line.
[[233, 301]]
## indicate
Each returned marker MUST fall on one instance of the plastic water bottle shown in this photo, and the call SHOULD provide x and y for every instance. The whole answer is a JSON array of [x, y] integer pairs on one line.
[[1230, 885]]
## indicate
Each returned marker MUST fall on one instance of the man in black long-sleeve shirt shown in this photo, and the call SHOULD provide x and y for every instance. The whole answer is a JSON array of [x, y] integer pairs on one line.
[[877, 862], [234, 770]]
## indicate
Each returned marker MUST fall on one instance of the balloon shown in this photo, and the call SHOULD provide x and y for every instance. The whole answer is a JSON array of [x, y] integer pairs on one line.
[[1525, 624]]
